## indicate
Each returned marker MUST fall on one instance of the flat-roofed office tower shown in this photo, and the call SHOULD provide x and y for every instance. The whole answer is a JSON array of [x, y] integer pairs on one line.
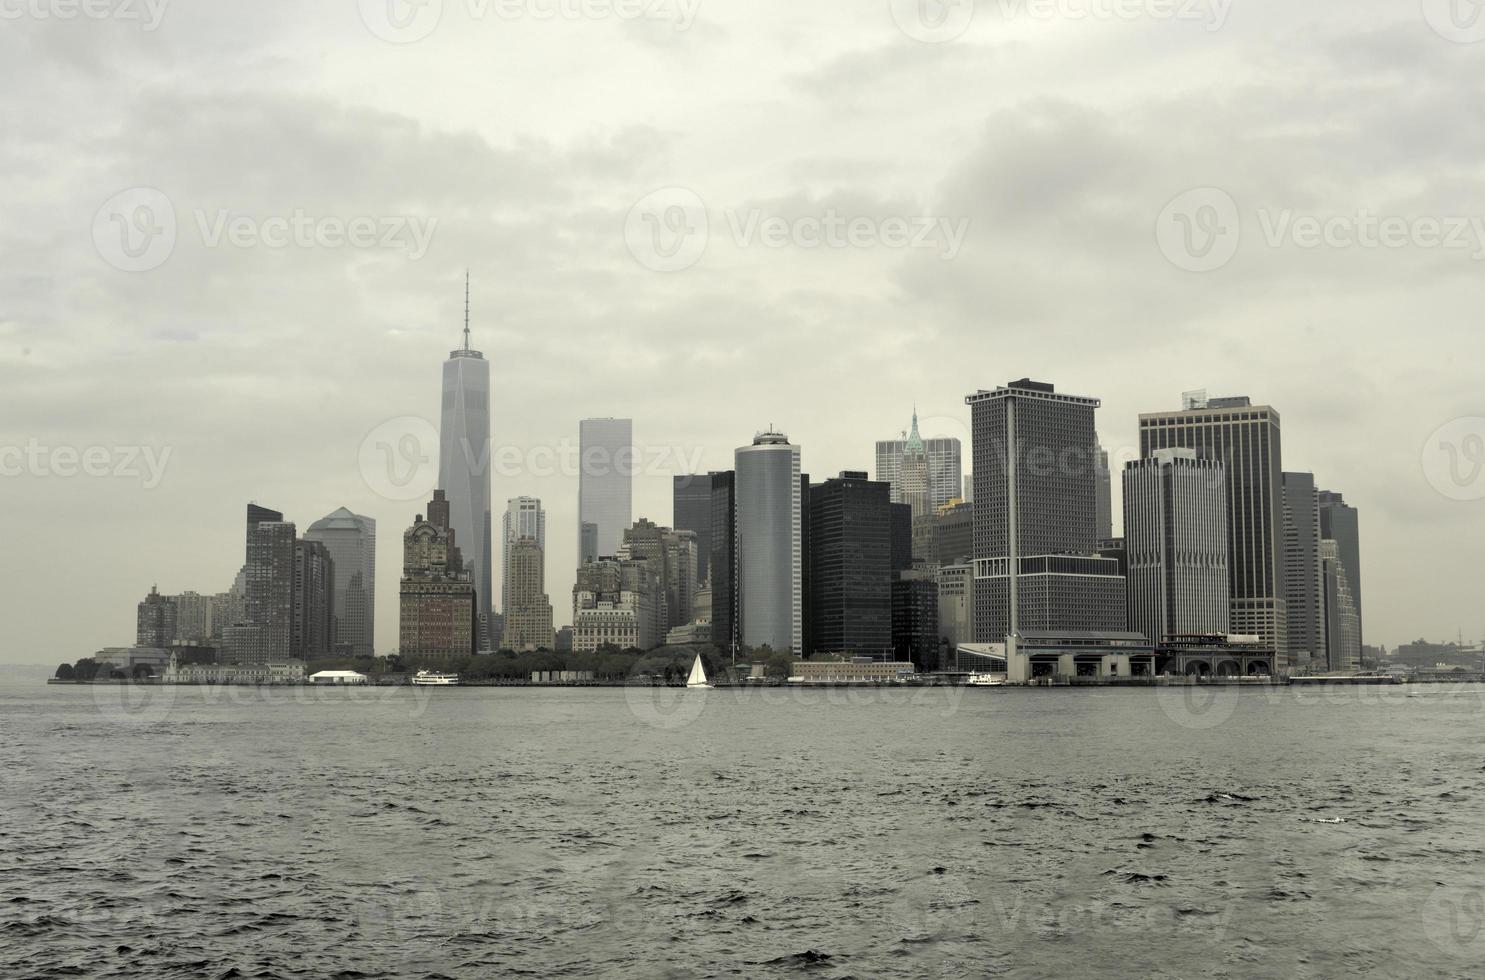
[[1245, 438], [351, 540], [850, 567], [464, 459], [770, 545], [1175, 539], [1339, 523], [1035, 523], [605, 482], [942, 455], [1304, 574], [691, 500], [528, 615], [523, 518]]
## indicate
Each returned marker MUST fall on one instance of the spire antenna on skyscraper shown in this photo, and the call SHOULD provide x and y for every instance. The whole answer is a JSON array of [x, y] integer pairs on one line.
[[466, 309]]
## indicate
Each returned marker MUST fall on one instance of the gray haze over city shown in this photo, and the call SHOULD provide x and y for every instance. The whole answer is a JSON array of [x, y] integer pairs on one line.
[[965, 200]]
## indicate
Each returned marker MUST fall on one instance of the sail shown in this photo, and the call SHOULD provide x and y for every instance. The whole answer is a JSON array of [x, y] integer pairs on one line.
[[698, 674]]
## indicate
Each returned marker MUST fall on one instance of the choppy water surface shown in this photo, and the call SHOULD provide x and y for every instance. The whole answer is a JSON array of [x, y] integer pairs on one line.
[[483, 832]]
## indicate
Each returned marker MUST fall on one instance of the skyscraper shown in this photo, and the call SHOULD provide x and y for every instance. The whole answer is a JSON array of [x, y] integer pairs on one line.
[[464, 458], [723, 561], [850, 558], [269, 603], [1103, 496], [313, 630], [691, 499], [672, 558], [528, 613], [155, 620], [1175, 538], [437, 609], [1244, 438], [770, 545], [1339, 523], [942, 456], [1304, 575], [523, 518], [1342, 616], [351, 541], [605, 481], [1035, 522]]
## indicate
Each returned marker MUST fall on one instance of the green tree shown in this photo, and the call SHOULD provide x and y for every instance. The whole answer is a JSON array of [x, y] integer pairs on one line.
[[85, 669], [65, 672]]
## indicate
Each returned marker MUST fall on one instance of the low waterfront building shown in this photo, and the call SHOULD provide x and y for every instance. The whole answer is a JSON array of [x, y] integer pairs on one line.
[[1216, 654], [1034, 655], [339, 677], [132, 661], [280, 672], [858, 670]]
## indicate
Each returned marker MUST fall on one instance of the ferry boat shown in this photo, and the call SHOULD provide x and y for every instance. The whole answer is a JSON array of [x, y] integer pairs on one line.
[[432, 678], [984, 679]]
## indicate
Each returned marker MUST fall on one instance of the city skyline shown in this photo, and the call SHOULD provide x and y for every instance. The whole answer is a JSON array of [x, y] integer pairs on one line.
[[382, 587]]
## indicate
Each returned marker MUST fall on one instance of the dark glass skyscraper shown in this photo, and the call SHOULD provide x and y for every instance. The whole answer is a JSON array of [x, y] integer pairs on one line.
[[723, 560], [691, 497], [1304, 578], [850, 566]]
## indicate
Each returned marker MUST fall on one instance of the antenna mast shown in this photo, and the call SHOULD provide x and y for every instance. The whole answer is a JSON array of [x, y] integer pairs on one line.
[[466, 309]]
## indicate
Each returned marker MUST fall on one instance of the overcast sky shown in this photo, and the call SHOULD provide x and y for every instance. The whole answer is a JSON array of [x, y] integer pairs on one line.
[[1127, 198]]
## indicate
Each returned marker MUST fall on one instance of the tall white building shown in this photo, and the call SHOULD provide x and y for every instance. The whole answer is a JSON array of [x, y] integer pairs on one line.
[[605, 485], [351, 541], [945, 472], [523, 518], [770, 544], [464, 459]]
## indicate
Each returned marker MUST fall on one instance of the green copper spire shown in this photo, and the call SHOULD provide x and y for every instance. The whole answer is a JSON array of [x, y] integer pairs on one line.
[[914, 441]]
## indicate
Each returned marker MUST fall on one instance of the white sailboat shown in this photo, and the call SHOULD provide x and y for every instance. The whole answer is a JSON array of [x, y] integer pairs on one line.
[[698, 675]]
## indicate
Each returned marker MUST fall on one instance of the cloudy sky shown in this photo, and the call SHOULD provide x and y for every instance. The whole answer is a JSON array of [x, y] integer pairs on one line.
[[236, 236]]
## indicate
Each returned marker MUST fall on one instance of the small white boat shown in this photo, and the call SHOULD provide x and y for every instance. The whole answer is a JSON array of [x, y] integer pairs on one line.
[[982, 679], [432, 678], [698, 675]]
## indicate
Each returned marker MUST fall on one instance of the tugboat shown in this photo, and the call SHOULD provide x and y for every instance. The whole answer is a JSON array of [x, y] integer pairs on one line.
[[432, 678]]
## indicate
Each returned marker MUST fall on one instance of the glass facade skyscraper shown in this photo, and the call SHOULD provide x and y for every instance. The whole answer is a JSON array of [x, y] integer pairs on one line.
[[464, 461], [605, 482]]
